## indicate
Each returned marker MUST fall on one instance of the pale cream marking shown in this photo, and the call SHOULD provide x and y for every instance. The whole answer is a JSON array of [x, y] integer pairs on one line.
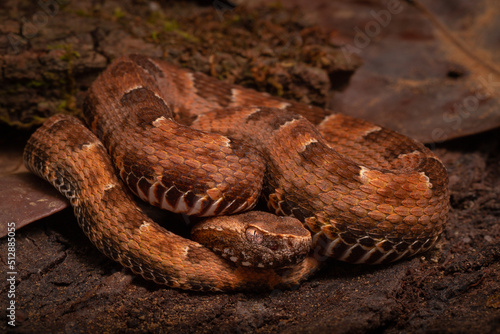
[[315, 236], [213, 228], [246, 264], [415, 250], [383, 257], [367, 255], [157, 122], [427, 180], [158, 96], [227, 141], [260, 265], [223, 212], [331, 246], [196, 208], [164, 204], [151, 194], [235, 95], [364, 178], [186, 251], [88, 147], [371, 130], [327, 119], [402, 155], [251, 111], [190, 76], [242, 207], [228, 251], [140, 193], [347, 253], [155, 63], [288, 123], [211, 210], [283, 105], [401, 255], [306, 143], [109, 186], [144, 226], [233, 258], [181, 206], [133, 88]]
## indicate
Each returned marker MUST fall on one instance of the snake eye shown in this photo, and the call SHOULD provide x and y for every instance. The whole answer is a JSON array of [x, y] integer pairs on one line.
[[254, 235]]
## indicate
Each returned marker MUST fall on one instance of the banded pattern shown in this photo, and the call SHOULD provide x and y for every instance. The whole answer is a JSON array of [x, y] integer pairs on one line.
[[191, 144]]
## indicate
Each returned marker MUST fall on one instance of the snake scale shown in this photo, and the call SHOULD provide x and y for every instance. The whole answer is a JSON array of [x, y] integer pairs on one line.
[[192, 144]]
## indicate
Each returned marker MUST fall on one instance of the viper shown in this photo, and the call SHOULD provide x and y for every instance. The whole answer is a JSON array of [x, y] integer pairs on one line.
[[192, 144]]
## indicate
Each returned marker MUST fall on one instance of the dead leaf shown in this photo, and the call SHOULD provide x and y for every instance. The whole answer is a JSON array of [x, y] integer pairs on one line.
[[429, 69], [25, 198]]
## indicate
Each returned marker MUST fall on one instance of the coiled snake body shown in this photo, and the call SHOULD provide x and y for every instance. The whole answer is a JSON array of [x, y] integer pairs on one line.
[[192, 144]]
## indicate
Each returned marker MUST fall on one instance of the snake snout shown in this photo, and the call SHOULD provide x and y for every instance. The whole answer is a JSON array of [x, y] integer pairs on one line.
[[255, 239]]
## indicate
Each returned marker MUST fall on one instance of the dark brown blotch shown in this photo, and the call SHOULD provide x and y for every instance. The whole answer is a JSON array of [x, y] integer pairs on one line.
[[140, 95], [146, 116], [159, 192], [212, 89], [339, 250], [311, 151], [417, 245], [367, 242], [357, 252], [146, 107], [132, 181], [190, 199], [172, 195], [374, 257], [393, 143], [144, 185], [274, 117], [386, 245], [436, 172], [147, 64], [204, 206], [90, 106], [348, 238], [286, 208], [235, 205], [402, 247], [221, 206], [299, 212]]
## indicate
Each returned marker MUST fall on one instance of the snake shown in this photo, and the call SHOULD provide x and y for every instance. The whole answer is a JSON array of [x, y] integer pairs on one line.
[[192, 144]]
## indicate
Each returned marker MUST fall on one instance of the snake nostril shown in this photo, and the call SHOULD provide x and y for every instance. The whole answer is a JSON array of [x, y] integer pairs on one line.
[[254, 235]]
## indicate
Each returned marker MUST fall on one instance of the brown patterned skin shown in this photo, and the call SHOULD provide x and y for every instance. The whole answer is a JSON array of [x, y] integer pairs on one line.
[[68, 155], [191, 144]]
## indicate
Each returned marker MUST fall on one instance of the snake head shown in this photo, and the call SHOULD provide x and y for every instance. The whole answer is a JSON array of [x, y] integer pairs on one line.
[[255, 239]]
